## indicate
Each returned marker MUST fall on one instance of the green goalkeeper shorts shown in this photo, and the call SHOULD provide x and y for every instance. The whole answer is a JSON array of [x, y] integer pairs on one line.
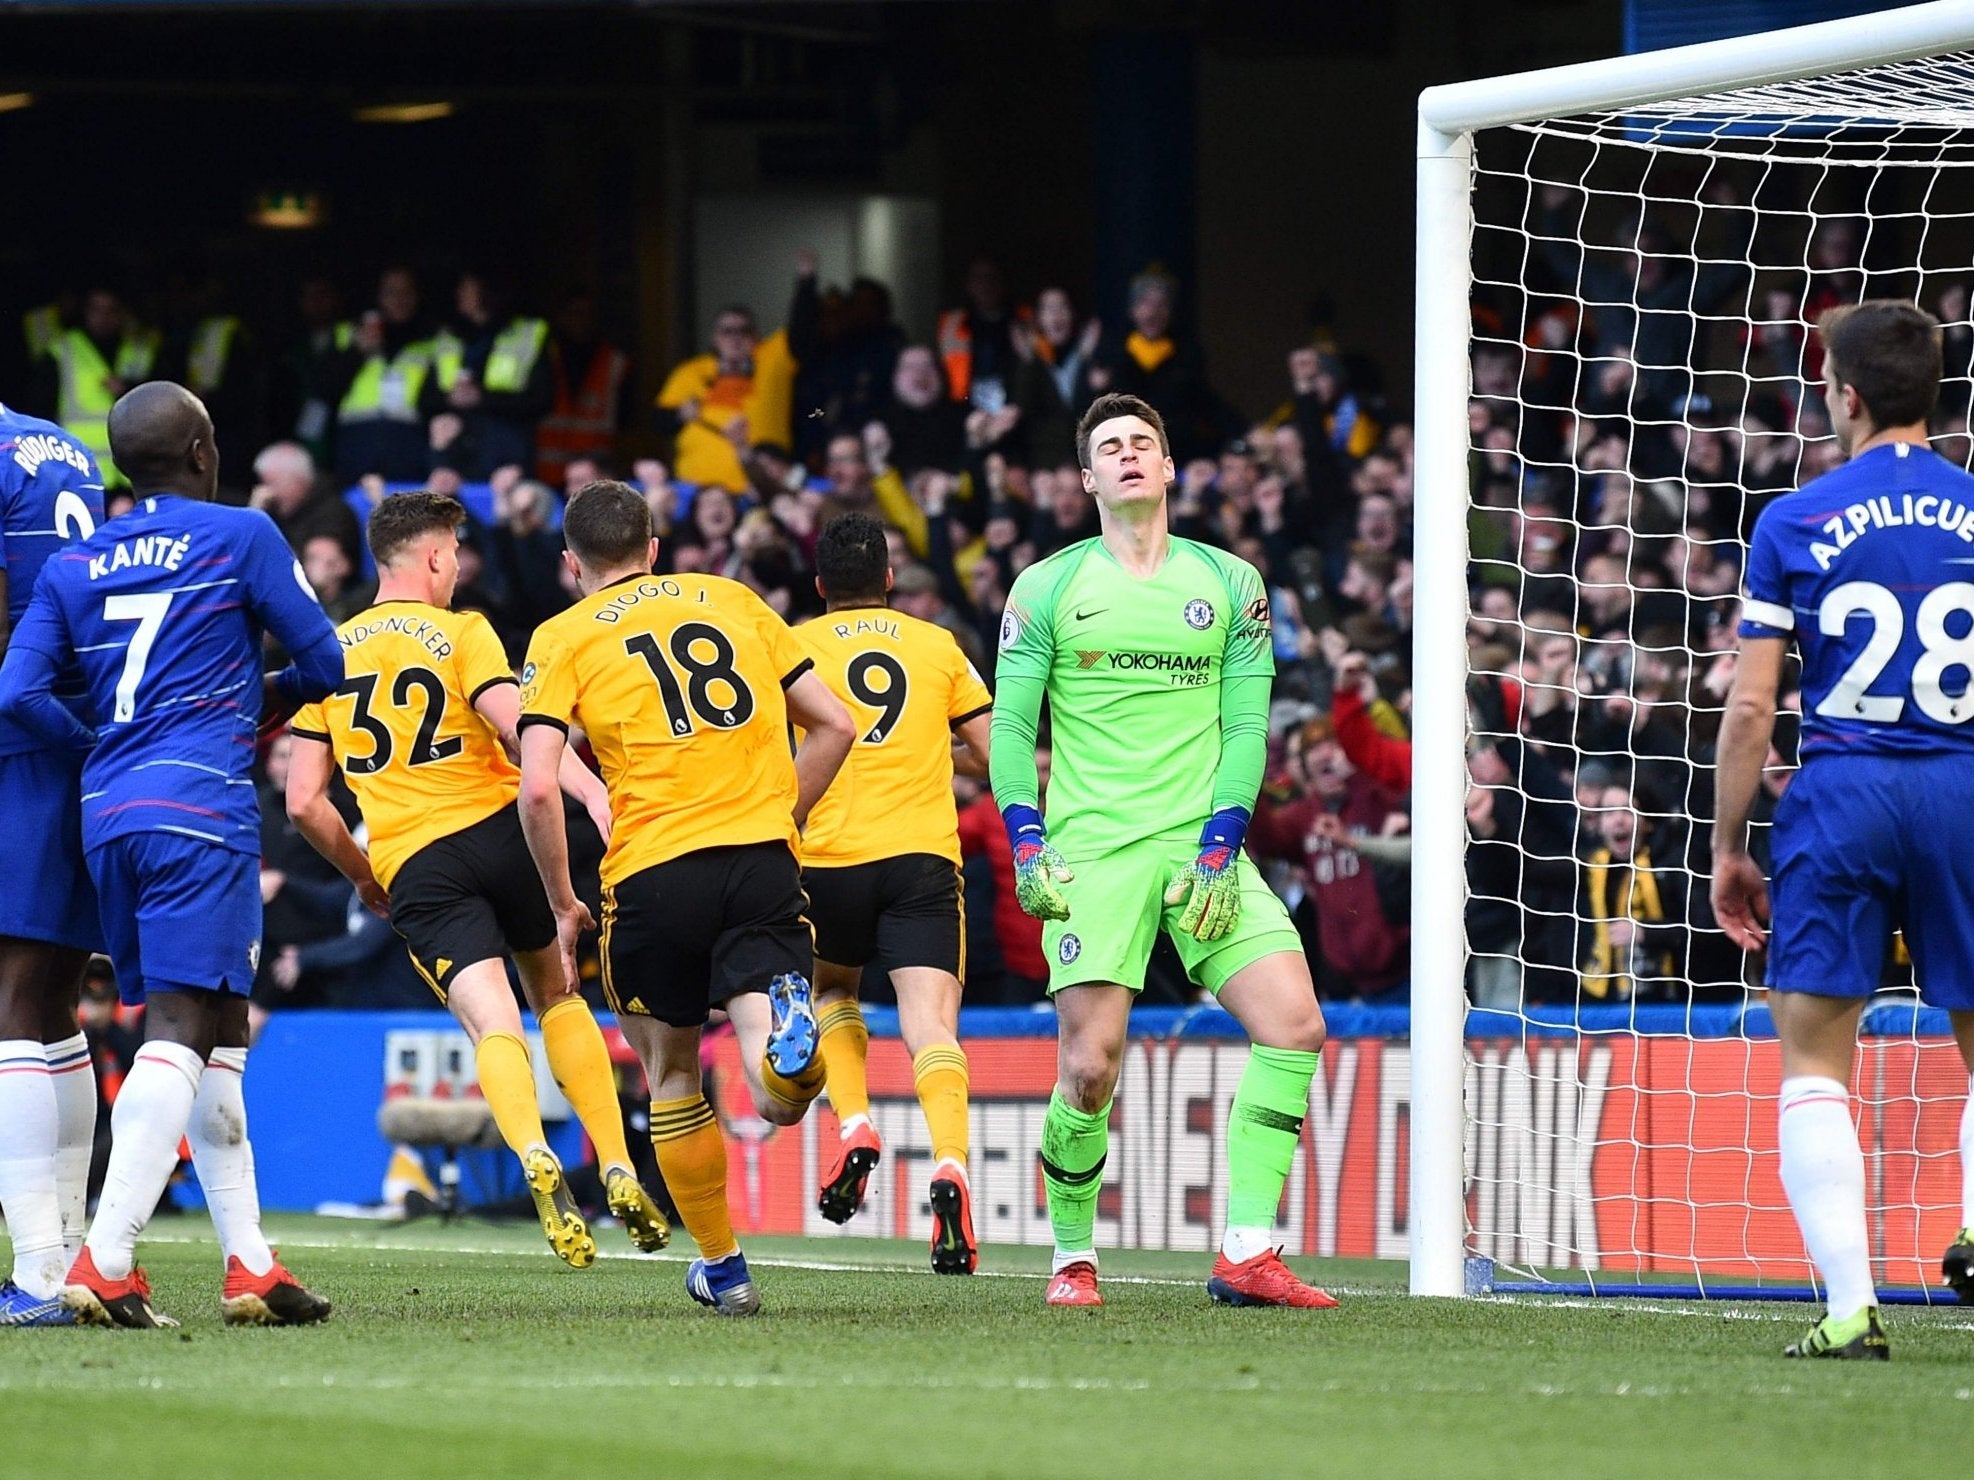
[[1117, 905]]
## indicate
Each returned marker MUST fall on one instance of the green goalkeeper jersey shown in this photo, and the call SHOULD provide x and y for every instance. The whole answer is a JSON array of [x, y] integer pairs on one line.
[[1158, 693]]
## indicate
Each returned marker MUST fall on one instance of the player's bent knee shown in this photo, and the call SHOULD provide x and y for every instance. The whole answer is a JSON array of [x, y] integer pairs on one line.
[[1089, 1077]]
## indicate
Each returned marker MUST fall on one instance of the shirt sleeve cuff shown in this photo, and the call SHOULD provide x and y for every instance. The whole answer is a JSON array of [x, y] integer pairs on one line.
[[492, 683], [527, 720], [797, 671], [972, 714], [1765, 618]]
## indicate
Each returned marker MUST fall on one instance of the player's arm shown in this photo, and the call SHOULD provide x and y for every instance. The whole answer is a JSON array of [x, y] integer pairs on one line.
[[499, 704], [311, 765], [280, 596], [1740, 895], [826, 741], [543, 749], [1208, 886], [1021, 675], [34, 660], [548, 706], [973, 745], [969, 712]]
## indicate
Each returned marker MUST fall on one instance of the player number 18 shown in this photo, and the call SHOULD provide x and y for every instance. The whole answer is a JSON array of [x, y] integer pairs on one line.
[[1942, 651]]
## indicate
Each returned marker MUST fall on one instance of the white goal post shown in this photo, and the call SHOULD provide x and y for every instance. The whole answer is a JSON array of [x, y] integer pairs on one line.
[[1449, 118]]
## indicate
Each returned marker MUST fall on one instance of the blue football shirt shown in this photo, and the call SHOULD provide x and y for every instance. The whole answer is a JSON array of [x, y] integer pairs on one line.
[[1871, 569], [51, 494], [165, 608]]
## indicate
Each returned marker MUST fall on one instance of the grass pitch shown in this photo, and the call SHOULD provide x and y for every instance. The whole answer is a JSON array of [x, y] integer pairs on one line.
[[468, 1350]]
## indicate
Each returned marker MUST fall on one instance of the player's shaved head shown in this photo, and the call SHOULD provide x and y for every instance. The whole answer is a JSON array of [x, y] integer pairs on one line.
[[852, 559], [608, 525], [161, 439]]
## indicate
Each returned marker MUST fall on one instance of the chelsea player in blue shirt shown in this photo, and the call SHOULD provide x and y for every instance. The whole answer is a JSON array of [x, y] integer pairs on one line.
[[1867, 570], [51, 494], [164, 610]]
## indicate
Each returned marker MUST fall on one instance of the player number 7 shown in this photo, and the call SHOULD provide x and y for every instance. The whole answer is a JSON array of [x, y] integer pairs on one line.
[[148, 612]]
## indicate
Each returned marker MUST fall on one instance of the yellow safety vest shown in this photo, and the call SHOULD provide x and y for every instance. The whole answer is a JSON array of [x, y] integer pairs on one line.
[[212, 344], [85, 397], [448, 357], [512, 359], [388, 390]]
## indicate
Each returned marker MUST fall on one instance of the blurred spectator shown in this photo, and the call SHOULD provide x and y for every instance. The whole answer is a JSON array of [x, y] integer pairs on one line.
[[976, 341], [386, 388], [1642, 904], [329, 570], [1349, 835], [213, 353], [364, 966], [89, 366], [1051, 383], [1064, 510], [862, 481], [299, 501], [1152, 361], [927, 428], [848, 375], [307, 376], [591, 393], [527, 554], [1648, 294], [716, 405], [496, 375], [1521, 875]]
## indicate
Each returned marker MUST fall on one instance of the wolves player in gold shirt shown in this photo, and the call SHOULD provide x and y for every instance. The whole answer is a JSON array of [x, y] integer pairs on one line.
[[881, 863], [424, 727], [686, 686]]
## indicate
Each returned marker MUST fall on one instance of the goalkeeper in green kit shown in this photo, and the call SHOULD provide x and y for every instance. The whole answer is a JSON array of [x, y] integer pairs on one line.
[[1156, 657]]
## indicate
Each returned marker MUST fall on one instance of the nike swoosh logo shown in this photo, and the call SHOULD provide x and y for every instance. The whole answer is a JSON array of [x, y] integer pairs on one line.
[[1083, 616]]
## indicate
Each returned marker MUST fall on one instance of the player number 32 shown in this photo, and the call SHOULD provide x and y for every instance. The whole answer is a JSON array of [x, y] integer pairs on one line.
[[1942, 652]]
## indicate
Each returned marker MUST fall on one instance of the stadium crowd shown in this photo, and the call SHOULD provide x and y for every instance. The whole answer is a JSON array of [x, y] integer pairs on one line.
[[1612, 496]]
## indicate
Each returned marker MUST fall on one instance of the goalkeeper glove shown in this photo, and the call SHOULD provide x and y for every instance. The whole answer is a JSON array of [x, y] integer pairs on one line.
[[1208, 886], [1038, 868]]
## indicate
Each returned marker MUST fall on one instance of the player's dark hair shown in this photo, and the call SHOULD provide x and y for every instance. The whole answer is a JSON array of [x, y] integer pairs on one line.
[[404, 517], [607, 524], [851, 558], [1888, 349], [1116, 404]]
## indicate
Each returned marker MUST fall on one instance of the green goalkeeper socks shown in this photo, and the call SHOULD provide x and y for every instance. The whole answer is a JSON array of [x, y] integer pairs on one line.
[[1262, 1132], [1074, 1146]]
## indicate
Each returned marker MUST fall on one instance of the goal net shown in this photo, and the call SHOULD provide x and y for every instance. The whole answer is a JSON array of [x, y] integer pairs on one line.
[[1642, 378]]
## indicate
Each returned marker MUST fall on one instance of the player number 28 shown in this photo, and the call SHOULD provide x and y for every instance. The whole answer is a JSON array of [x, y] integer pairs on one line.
[[687, 650], [1941, 652]]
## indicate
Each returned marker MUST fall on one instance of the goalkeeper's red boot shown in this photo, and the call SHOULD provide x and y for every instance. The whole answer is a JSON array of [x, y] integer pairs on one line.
[[1263, 1280], [856, 1158], [1075, 1284], [276, 1298]]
